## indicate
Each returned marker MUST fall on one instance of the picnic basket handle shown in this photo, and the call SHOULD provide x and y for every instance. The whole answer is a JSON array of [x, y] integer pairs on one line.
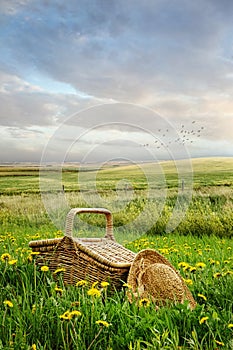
[[71, 215]]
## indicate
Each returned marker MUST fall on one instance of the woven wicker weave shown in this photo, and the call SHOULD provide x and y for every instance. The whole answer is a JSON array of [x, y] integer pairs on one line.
[[93, 259]]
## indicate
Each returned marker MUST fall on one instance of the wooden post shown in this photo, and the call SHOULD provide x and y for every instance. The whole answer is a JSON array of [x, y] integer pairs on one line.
[[182, 185]]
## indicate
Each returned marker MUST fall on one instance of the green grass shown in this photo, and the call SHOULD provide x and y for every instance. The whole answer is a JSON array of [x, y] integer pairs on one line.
[[208, 211], [206, 172], [202, 238], [38, 302]]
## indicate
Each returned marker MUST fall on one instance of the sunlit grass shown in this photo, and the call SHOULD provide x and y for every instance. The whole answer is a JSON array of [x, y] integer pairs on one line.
[[206, 172]]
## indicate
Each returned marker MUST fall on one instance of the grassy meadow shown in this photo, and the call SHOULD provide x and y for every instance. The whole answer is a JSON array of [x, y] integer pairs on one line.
[[40, 312]]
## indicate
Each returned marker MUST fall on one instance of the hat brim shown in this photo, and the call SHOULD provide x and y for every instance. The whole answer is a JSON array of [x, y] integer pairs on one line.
[[143, 266]]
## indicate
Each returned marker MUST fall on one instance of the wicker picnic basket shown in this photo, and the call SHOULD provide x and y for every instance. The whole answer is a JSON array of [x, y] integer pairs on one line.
[[92, 259]]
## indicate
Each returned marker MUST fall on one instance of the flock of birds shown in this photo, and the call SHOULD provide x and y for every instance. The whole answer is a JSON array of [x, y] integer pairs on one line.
[[184, 136]]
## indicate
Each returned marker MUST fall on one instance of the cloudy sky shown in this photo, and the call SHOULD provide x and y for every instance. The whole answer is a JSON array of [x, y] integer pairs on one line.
[[85, 80]]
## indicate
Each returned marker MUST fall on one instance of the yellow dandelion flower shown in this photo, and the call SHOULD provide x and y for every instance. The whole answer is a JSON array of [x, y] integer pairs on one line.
[[5, 257], [183, 264], [94, 292], [44, 268], [230, 325], [200, 265], [94, 284], [192, 268], [174, 250], [62, 269], [57, 289], [217, 274], [228, 273], [104, 284], [219, 342], [207, 249], [212, 261], [75, 313], [29, 258], [12, 262], [81, 283], [8, 303], [163, 251], [103, 323], [202, 296], [203, 319], [188, 281], [126, 285], [66, 316], [33, 347], [59, 233], [144, 302], [33, 308]]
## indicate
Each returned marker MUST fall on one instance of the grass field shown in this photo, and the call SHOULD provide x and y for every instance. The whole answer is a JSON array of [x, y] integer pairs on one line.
[[207, 172], [38, 313]]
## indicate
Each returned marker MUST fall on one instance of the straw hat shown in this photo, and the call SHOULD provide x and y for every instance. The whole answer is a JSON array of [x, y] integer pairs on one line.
[[153, 276]]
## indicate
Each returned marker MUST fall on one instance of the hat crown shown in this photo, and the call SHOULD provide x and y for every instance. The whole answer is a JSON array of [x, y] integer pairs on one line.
[[151, 275]]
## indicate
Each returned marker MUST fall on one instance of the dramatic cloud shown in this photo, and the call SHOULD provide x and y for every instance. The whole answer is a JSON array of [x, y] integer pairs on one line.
[[58, 58]]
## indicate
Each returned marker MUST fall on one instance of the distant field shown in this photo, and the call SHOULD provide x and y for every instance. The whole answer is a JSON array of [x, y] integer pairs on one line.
[[206, 172], [124, 190]]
